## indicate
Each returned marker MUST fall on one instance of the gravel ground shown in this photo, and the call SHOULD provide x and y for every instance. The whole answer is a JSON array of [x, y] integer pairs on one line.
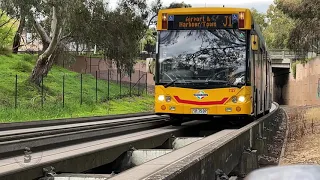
[[303, 140]]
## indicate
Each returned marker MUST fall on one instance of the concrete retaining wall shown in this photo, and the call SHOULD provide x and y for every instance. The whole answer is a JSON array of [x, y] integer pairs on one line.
[[305, 88]]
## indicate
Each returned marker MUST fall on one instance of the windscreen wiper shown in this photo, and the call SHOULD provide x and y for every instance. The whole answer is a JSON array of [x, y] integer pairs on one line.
[[237, 86], [227, 83], [170, 83]]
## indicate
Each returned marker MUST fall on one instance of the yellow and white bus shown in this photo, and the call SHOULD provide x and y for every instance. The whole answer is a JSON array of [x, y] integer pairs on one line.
[[211, 62]]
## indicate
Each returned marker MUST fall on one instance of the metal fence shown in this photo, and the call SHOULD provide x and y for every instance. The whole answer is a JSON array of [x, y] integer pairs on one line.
[[143, 56], [97, 87]]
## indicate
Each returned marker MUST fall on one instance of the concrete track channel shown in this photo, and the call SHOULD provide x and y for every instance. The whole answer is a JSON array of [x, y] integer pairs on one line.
[[112, 153], [164, 152], [16, 138]]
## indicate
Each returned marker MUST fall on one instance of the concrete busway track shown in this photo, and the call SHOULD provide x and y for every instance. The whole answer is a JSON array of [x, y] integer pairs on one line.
[[189, 162], [38, 123], [85, 156], [40, 135], [228, 151]]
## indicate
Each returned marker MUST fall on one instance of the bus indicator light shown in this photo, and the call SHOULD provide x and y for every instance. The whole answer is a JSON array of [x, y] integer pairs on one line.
[[164, 21], [241, 19], [241, 15]]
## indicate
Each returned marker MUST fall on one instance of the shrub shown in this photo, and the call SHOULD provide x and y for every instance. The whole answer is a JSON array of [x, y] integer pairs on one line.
[[28, 58], [5, 51], [22, 66]]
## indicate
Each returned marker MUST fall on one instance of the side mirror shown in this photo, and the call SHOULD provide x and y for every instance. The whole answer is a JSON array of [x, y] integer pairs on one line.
[[254, 42]]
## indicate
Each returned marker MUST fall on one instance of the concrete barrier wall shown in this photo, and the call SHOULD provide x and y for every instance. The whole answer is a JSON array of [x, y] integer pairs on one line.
[[305, 88]]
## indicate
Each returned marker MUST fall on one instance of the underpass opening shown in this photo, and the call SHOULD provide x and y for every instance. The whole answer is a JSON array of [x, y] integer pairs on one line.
[[280, 79]]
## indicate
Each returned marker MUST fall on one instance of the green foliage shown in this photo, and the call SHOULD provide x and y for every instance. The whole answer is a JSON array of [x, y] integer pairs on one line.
[[121, 106], [5, 51], [259, 18], [300, 9], [156, 5], [117, 33], [29, 96], [22, 66], [278, 31], [294, 68], [275, 27], [28, 58], [306, 32], [179, 5], [149, 41], [7, 29]]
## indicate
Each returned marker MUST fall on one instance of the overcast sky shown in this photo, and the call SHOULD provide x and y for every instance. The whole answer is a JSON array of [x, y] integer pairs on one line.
[[260, 5]]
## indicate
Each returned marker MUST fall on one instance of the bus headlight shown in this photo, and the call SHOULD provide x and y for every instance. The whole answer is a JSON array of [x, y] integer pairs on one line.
[[234, 99], [168, 98], [242, 99], [161, 97]]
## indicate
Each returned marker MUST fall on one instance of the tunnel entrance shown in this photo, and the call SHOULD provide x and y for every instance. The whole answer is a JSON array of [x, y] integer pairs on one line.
[[280, 79]]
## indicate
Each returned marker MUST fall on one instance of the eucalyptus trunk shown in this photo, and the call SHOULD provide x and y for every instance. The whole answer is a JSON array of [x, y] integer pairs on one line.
[[46, 59], [17, 36]]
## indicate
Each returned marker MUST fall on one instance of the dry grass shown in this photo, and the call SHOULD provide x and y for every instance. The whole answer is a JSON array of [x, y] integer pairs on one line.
[[303, 136]]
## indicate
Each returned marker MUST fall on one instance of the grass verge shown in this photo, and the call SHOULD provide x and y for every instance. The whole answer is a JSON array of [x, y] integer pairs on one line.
[[118, 106], [62, 94]]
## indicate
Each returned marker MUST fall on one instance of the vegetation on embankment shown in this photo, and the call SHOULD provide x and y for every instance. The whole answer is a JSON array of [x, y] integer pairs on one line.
[[303, 139], [25, 103]]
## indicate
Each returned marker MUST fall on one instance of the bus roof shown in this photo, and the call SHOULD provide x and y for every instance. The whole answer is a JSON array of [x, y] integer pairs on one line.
[[204, 10], [208, 11]]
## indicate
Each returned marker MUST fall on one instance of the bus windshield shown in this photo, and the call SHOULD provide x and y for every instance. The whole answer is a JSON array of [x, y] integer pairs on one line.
[[195, 56]]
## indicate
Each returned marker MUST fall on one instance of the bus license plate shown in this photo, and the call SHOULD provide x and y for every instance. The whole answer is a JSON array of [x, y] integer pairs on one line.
[[199, 111]]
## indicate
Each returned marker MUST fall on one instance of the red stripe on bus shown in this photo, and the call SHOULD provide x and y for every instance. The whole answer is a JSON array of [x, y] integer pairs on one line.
[[201, 103]]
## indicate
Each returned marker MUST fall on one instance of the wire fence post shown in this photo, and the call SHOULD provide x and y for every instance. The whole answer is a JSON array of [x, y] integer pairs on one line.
[[96, 86], [90, 63], [81, 89], [108, 85], [117, 76], [146, 82], [139, 84], [42, 91], [120, 83], [130, 82], [63, 79], [16, 93]]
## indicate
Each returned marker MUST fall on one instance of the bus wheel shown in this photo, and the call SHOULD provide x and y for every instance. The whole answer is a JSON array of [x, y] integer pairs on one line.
[[243, 120], [176, 120], [249, 119]]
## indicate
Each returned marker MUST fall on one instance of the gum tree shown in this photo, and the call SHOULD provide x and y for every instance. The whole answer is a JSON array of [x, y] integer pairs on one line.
[[306, 33]]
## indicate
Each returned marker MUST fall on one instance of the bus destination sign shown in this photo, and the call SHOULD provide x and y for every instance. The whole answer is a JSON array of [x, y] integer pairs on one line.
[[207, 21]]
